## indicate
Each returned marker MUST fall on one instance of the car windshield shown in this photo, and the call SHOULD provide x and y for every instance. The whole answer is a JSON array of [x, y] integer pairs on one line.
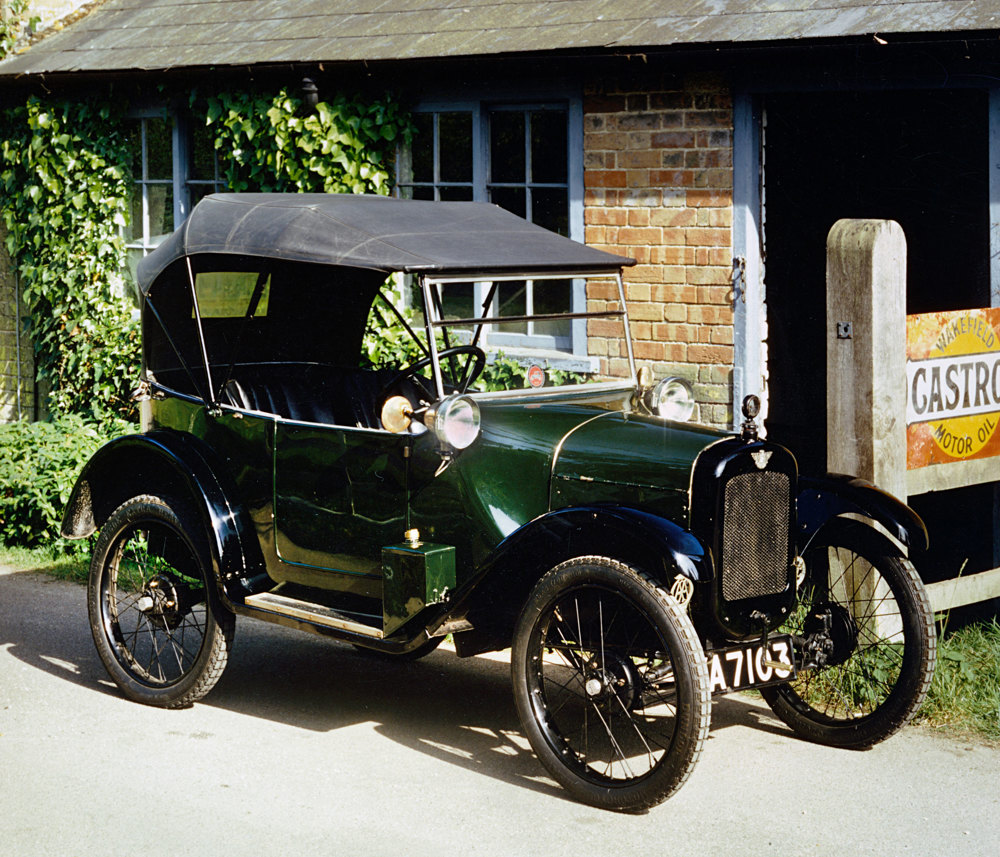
[[523, 324]]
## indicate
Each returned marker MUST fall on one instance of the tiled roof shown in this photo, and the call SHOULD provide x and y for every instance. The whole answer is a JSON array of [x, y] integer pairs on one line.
[[120, 35]]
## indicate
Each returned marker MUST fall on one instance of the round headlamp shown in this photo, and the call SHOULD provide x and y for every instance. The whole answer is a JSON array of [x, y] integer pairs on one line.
[[672, 399], [454, 421]]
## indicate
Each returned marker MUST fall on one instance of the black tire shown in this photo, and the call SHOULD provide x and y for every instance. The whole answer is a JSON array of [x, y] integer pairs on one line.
[[154, 613], [610, 683], [883, 649]]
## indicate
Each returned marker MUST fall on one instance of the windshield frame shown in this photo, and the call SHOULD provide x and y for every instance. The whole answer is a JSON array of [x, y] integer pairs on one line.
[[434, 321]]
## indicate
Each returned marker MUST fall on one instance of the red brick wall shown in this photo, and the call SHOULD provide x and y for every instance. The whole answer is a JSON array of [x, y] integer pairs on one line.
[[658, 179]]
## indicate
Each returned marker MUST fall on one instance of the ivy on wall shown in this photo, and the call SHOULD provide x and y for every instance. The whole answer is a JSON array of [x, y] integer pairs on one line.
[[14, 21], [65, 180], [65, 189], [345, 145]]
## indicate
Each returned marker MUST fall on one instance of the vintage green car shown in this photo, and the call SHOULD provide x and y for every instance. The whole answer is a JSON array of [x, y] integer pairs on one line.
[[636, 564]]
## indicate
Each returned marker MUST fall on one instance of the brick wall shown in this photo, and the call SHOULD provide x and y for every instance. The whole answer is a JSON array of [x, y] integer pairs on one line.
[[658, 179], [8, 350]]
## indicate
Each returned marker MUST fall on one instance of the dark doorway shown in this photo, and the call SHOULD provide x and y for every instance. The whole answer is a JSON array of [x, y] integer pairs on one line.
[[917, 157]]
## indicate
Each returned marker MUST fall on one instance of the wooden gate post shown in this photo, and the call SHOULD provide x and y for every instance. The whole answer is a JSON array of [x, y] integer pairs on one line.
[[866, 352]]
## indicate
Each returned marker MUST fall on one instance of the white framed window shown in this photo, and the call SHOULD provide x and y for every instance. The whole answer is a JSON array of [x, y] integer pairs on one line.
[[174, 164], [526, 156], [154, 204]]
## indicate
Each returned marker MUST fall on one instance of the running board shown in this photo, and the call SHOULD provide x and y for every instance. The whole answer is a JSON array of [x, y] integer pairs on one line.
[[315, 613]]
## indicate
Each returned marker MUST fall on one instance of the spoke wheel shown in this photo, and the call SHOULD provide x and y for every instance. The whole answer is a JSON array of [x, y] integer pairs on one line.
[[610, 684], [155, 617], [866, 614]]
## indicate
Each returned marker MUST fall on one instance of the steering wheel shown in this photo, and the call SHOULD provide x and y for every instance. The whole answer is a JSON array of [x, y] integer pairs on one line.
[[477, 359]]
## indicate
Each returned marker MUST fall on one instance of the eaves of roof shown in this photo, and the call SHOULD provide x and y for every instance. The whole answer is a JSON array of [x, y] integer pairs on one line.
[[124, 35]]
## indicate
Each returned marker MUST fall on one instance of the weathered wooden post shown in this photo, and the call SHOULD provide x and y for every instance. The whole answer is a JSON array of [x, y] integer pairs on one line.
[[865, 347], [866, 375], [867, 388]]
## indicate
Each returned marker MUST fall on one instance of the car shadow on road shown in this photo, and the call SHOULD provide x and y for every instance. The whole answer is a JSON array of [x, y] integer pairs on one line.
[[43, 623], [460, 711]]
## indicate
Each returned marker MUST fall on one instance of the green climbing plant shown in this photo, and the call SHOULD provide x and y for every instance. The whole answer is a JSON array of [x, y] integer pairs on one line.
[[65, 181], [14, 20], [268, 143]]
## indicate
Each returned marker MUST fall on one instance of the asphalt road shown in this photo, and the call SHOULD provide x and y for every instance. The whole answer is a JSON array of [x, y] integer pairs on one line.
[[308, 747]]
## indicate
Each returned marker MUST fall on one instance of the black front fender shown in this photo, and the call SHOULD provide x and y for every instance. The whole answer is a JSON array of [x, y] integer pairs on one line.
[[494, 598], [823, 500], [656, 545], [172, 465]]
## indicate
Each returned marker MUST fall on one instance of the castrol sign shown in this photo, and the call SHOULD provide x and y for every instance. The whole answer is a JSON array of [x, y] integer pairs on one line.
[[953, 386]]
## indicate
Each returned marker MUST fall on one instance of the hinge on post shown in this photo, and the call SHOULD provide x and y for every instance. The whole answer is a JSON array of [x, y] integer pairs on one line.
[[740, 279]]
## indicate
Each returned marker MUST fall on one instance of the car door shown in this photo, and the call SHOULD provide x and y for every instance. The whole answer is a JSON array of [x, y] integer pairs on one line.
[[339, 498]]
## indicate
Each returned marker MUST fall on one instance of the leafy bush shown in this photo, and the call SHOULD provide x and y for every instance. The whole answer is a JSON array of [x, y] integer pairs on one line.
[[39, 463]]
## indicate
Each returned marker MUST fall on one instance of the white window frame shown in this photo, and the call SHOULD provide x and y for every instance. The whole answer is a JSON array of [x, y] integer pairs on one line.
[[180, 180], [517, 344]]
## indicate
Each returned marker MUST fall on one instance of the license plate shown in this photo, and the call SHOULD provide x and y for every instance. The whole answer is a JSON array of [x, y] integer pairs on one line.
[[751, 665]]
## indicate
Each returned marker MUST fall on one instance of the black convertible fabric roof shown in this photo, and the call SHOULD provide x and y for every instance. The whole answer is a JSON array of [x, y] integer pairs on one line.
[[375, 232]]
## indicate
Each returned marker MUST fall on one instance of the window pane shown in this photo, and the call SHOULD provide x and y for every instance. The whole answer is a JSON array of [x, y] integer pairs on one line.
[[198, 190], [227, 294], [133, 231], [550, 208], [422, 148], [551, 296], [511, 198], [455, 147], [548, 146], [457, 193], [457, 300], [160, 199], [133, 129], [418, 193], [512, 300], [507, 162], [203, 154], [159, 149], [132, 259]]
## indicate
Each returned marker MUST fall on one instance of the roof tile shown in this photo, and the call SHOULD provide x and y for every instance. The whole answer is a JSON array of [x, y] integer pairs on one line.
[[158, 34]]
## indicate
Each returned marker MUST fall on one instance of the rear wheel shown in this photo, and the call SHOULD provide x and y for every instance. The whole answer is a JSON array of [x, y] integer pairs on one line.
[[155, 616], [610, 684], [869, 631]]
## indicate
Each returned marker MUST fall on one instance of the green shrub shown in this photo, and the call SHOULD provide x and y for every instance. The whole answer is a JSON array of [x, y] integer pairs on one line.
[[39, 463]]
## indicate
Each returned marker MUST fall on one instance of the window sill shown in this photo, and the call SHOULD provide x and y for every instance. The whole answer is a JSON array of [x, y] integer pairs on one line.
[[546, 358]]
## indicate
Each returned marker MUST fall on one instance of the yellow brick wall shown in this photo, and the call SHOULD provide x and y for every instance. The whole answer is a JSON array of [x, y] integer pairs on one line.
[[658, 187], [17, 388]]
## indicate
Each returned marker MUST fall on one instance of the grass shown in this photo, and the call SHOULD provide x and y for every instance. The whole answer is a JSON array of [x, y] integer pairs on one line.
[[964, 699], [965, 695], [42, 560]]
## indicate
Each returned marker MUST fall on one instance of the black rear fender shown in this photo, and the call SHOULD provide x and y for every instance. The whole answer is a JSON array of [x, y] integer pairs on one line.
[[645, 541], [830, 502], [175, 466]]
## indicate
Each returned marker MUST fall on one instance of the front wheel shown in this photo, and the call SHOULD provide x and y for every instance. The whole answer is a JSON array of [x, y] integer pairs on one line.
[[610, 684], [868, 629], [155, 616]]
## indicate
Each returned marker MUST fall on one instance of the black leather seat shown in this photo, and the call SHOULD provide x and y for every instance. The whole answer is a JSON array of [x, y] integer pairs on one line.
[[313, 394]]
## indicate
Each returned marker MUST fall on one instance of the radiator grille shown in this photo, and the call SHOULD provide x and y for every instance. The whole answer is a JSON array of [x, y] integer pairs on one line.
[[755, 535]]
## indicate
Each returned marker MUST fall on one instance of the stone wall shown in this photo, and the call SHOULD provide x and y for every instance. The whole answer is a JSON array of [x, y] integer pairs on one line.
[[658, 187]]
